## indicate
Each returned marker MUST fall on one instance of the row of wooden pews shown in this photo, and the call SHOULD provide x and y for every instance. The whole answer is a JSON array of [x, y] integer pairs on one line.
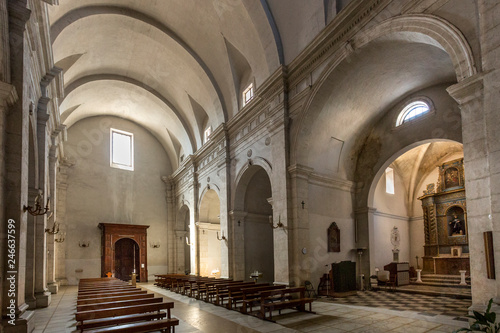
[[259, 299], [111, 305]]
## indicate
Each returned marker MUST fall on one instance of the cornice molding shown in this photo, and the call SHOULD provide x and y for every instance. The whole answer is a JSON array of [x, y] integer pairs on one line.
[[391, 216], [350, 20]]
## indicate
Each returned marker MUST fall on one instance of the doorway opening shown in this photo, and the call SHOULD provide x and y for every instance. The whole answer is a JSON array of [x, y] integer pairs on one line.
[[126, 259]]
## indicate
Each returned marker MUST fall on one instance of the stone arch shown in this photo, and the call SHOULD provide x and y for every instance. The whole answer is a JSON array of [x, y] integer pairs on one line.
[[243, 176], [422, 28], [255, 248], [442, 32], [381, 167]]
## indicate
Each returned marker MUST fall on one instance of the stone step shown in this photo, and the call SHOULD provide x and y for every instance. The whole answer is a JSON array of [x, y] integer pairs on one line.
[[445, 281], [443, 277], [448, 285]]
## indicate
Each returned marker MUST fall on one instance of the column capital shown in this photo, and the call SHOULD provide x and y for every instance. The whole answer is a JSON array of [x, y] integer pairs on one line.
[[8, 94], [18, 16], [469, 89]]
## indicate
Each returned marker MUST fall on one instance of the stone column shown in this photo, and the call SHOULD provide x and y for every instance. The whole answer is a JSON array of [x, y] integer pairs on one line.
[[42, 293], [51, 244], [171, 234], [29, 283], [285, 239], [16, 171], [237, 241], [302, 259], [62, 185], [481, 166], [364, 230]]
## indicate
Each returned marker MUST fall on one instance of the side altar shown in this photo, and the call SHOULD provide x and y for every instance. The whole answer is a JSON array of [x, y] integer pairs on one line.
[[444, 207]]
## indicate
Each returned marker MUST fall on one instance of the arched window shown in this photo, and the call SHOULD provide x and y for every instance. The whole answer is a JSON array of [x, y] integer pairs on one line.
[[412, 110]]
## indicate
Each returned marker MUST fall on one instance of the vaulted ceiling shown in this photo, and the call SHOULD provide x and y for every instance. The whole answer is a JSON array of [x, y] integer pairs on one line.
[[174, 67]]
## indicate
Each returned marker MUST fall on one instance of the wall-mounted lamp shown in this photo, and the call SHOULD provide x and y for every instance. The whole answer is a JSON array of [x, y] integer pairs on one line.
[[239, 223], [55, 228], [279, 225], [303, 204], [154, 245], [37, 210], [84, 244], [60, 238], [221, 238], [187, 242]]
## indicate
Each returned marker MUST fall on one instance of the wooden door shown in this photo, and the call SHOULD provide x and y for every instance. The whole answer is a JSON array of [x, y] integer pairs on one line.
[[111, 234]]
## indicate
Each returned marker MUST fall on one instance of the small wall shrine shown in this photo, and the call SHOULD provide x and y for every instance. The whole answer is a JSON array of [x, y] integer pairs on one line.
[[445, 222]]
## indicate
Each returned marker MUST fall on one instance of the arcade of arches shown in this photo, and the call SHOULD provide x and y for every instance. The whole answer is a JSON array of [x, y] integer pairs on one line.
[[239, 131]]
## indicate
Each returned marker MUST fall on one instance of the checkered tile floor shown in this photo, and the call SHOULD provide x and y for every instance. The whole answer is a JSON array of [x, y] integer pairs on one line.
[[422, 304]]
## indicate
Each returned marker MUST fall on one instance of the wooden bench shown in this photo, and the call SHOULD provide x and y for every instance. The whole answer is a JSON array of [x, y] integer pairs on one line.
[[222, 291], [125, 314], [163, 325], [112, 299], [251, 296], [106, 305], [234, 292], [110, 294], [280, 299]]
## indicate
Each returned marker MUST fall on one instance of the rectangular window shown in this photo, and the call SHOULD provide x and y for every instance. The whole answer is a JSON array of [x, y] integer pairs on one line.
[[389, 180], [122, 149], [247, 94], [208, 131]]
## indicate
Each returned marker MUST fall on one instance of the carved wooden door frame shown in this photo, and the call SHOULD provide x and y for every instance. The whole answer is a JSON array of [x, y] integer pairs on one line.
[[113, 232]]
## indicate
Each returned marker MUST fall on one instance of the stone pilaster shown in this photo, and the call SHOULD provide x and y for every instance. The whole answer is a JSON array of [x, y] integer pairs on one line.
[[364, 218], [30, 253], [8, 97], [62, 186], [52, 284], [301, 259], [285, 242], [16, 168], [479, 166], [42, 293], [171, 236], [237, 247]]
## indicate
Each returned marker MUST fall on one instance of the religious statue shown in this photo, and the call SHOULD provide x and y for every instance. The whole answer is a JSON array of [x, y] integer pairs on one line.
[[456, 226]]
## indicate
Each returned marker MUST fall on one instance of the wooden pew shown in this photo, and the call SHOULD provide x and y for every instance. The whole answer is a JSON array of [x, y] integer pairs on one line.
[[112, 299], [102, 305], [222, 290], [110, 294], [106, 305], [126, 314], [251, 296], [281, 299]]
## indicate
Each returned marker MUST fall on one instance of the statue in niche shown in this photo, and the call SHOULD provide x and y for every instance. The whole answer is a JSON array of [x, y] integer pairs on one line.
[[333, 238], [456, 224]]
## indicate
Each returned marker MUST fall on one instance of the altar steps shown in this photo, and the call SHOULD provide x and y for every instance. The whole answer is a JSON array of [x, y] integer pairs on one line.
[[446, 281], [438, 285]]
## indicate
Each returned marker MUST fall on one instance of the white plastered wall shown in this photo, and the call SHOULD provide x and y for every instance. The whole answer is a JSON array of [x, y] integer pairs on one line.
[[390, 212], [99, 193]]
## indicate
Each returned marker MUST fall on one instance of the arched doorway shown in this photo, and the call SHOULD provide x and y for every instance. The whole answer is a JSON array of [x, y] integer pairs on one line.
[[209, 234], [111, 234], [126, 258], [253, 202]]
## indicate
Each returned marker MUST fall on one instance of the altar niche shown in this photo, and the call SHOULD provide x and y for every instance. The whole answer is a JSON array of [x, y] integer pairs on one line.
[[445, 222], [123, 248]]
